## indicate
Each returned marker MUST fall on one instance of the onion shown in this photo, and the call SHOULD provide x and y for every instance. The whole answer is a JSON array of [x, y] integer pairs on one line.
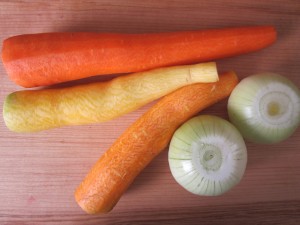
[[207, 155], [265, 108]]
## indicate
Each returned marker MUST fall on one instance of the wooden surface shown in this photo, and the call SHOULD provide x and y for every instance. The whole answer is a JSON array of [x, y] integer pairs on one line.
[[39, 172]]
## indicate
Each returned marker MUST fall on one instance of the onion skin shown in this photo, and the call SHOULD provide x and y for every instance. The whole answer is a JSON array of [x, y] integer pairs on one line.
[[265, 108], [207, 156]]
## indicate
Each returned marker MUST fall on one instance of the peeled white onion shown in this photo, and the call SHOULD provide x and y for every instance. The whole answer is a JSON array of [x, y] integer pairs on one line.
[[265, 108], [207, 155]]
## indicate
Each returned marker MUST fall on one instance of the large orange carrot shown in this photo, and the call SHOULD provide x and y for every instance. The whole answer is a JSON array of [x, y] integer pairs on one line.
[[143, 140], [49, 58]]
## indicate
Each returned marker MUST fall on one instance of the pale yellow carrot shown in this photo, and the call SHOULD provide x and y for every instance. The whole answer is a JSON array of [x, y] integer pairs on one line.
[[36, 110]]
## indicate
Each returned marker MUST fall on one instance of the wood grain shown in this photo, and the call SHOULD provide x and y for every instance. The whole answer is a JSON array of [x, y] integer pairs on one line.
[[39, 172]]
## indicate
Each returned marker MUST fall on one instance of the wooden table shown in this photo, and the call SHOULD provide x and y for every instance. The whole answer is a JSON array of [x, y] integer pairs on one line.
[[40, 171]]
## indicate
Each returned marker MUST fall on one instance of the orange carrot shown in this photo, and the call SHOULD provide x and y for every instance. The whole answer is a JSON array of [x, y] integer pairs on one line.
[[49, 58], [143, 140]]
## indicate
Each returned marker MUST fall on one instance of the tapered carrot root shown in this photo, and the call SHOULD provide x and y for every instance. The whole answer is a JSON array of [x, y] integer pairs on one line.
[[143, 140], [36, 110], [48, 58]]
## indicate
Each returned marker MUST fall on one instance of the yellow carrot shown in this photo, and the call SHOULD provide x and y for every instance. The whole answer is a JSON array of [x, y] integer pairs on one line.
[[143, 140], [36, 110]]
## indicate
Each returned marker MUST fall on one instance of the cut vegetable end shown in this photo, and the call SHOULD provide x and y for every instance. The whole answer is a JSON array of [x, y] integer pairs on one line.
[[273, 109], [265, 108], [91, 210], [204, 72], [8, 119], [207, 156]]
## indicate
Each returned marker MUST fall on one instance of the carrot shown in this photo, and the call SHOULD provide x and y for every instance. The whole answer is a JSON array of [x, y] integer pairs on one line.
[[143, 140], [36, 110], [49, 58]]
